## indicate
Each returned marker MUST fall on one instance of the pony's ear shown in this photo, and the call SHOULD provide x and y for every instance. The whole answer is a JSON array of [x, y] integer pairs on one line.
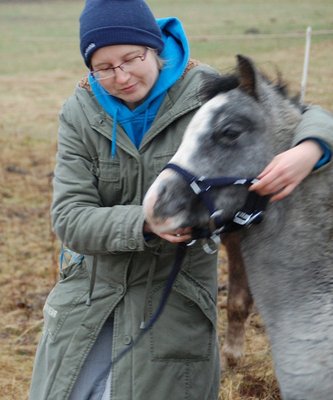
[[247, 76]]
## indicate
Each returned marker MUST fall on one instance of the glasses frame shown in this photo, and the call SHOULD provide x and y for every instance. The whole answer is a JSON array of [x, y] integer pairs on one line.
[[112, 70]]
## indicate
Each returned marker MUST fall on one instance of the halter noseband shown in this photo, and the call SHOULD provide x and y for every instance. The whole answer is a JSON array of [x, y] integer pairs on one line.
[[252, 211]]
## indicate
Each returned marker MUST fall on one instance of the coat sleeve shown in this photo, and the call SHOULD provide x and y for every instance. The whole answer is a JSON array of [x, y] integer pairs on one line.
[[79, 218], [316, 124]]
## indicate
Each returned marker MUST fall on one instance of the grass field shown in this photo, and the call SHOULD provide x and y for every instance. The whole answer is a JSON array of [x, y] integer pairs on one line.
[[40, 65]]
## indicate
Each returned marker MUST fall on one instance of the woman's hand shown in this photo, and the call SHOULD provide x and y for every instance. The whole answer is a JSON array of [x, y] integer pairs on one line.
[[177, 236], [287, 170]]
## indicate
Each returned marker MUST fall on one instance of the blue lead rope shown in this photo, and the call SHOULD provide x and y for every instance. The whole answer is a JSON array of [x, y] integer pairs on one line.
[[179, 257]]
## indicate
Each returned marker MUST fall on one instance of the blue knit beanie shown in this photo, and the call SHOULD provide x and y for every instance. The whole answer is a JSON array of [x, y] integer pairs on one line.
[[110, 22]]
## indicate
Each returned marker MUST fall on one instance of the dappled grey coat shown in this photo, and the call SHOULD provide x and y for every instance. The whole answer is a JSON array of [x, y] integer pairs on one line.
[[97, 212]]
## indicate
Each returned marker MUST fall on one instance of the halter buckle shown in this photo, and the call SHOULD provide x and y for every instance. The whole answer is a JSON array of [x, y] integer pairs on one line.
[[194, 185], [243, 218], [214, 220], [216, 240]]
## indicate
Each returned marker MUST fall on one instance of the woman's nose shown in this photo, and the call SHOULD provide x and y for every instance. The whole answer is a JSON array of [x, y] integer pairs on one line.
[[121, 75]]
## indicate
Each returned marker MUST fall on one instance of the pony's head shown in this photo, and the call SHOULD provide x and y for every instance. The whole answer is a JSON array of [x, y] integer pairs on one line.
[[230, 135]]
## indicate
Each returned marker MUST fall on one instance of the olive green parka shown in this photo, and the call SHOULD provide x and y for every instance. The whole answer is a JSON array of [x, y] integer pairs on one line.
[[97, 212]]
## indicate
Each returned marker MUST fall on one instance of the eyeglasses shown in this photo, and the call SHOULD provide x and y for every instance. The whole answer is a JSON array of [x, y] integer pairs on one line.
[[128, 66]]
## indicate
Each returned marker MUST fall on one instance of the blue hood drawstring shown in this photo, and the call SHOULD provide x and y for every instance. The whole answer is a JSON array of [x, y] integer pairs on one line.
[[114, 134], [145, 122]]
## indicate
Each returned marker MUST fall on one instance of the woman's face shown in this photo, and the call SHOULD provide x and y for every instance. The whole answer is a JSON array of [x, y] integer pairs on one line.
[[132, 81]]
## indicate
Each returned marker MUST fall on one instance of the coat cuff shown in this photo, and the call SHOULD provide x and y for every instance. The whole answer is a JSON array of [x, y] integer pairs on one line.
[[327, 152]]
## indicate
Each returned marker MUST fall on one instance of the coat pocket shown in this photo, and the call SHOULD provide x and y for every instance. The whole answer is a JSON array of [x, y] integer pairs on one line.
[[186, 328], [109, 171], [108, 177], [68, 293]]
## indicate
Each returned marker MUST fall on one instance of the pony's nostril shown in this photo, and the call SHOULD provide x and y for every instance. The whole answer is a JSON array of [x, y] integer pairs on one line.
[[162, 189]]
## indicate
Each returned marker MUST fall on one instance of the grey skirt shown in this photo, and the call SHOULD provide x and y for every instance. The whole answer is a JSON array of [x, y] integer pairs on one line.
[[94, 381]]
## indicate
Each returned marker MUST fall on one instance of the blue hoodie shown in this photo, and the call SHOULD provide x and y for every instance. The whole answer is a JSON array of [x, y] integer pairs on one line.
[[137, 122]]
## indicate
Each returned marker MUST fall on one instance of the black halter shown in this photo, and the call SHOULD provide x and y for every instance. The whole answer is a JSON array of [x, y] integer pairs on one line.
[[252, 211]]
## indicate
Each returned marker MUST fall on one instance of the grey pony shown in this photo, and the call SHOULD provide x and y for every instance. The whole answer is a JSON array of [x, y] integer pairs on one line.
[[289, 255]]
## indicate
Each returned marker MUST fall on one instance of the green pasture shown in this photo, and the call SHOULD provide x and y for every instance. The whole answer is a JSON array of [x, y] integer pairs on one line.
[[41, 62], [41, 37]]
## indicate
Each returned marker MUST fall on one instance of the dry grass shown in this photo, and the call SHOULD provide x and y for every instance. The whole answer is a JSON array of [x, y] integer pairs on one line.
[[26, 252], [40, 63]]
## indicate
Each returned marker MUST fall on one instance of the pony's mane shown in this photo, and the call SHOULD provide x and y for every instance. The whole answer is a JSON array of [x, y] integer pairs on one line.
[[215, 84]]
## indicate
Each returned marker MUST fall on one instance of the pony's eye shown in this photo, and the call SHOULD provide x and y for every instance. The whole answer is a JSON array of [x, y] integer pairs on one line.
[[226, 135], [231, 134]]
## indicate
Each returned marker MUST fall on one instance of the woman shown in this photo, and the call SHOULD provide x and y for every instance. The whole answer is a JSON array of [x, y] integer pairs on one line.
[[116, 133]]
